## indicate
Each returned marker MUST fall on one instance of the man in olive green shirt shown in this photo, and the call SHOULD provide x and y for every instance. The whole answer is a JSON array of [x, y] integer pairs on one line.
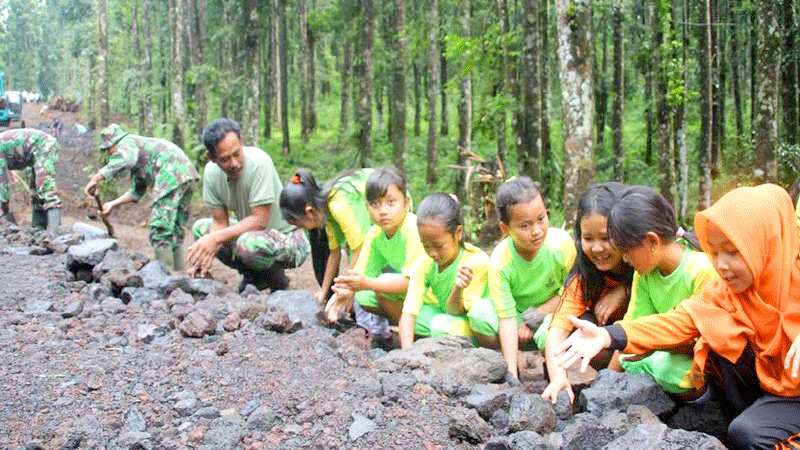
[[242, 181]]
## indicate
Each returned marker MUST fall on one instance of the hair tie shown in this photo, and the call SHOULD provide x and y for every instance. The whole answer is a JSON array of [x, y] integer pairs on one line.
[[296, 179], [680, 233]]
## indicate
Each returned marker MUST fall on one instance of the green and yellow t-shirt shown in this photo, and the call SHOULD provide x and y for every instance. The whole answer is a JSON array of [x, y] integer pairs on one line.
[[429, 286], [516, 284], [656, 293], [348, 217], [401, 253]]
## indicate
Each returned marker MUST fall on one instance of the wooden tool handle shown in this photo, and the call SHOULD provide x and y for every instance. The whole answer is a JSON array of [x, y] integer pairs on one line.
[[109, 227]]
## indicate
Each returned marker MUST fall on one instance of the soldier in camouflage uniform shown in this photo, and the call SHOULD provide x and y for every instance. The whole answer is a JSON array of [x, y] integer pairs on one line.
[[164, 166], [23, 148]]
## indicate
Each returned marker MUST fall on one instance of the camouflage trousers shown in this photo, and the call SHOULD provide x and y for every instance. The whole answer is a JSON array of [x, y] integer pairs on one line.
[[260, 250], [41, 176], [169, 217]]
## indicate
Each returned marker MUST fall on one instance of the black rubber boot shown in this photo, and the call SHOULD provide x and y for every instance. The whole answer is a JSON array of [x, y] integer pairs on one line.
[[274, 279]]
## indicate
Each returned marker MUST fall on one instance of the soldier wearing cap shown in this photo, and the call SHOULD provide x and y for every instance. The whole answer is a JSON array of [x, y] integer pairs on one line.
[[27, 147], [164, 166]]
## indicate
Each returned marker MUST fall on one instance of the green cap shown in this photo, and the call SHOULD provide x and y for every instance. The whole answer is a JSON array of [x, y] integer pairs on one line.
[[110, 135]]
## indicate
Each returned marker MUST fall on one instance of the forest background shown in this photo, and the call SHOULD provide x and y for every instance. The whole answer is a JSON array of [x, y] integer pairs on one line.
[[692, 97]]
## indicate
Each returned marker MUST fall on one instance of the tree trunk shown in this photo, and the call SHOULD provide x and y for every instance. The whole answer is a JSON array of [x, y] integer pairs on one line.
[[363, 74], [500, 88], [619, 91], [282, 68], [433, 90], [753, 57], [789, 76], [529, 149], [679, 124], [601, 102], [464, 106], [398, 98], [347, 70], [267, 70], [544, 86], [445, 127], [305, 71], [140, 68], [735, 71], [312, 77], [102, 61], [197, 54], [252, 67], [767, 83], [661, 59], [147, 54], [706, 110], [575, 64], [715, 89], [417, 99], [179, 116], [648, 113]]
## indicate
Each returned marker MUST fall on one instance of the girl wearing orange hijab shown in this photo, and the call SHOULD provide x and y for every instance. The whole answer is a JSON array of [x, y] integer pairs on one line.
[[744, 326]]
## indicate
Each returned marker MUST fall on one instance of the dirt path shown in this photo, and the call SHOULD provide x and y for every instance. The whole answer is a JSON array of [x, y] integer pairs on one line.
[[78, 162]]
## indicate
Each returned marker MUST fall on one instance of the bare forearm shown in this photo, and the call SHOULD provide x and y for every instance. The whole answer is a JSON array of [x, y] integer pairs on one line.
[[388, 283], [331, 269], [124, 199], [549, 306], [406, 326], [509, 343], [455, 304], [554, 338]]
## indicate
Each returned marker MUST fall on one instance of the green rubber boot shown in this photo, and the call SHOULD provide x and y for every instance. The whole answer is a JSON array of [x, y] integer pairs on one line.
[[53, 220], [164, 256], [38, 218], [179, 256]]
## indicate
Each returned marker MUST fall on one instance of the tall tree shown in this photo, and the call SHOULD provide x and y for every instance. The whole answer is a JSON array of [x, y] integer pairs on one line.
[[282, 65], [399, 69], [680, 16], [504, 73], [433, 89], [179, 115], [363, 75], [464, 104], [544, 85], [305, 72], [252, 66], [767, 82], [346, 73], [735, 62], [601, 85], [445, 126], [529, 143], [661, 60], [789, 74], [102, 61], [417, 98], [267, 71], [706, 109], [575, 70], [197, 56], [619, 90]]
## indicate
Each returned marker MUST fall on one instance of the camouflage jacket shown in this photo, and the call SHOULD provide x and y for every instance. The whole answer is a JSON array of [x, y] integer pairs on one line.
[[18, 146], [152, 162]]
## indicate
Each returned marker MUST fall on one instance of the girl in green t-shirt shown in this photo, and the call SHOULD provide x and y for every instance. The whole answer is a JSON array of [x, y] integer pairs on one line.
[[445, 287], [642, 226], [527, 268], [391, 250], [335, 217], [339, 207]]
